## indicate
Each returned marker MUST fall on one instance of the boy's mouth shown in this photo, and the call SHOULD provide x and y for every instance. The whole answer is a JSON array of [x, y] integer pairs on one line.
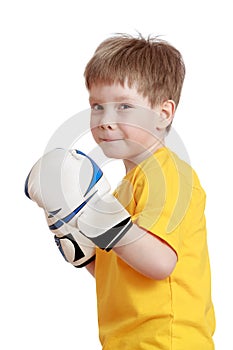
[[109, 140]]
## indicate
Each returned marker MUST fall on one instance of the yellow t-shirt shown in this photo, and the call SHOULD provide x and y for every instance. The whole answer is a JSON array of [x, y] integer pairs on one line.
[[164, 196]]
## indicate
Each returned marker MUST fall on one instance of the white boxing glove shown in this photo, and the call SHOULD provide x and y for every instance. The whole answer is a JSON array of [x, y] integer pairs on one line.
[[74, 193], [103, 219], [53, 183]]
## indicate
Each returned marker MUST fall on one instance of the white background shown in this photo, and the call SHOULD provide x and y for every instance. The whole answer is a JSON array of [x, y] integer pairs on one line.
[[46, 303]]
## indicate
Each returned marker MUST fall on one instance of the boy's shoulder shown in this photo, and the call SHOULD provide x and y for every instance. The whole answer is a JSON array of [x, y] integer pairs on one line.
[[184, 169], [168, 164]]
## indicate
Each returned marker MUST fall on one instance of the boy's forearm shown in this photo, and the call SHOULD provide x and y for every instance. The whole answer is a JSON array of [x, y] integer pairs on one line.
[[148, 255], [91, 268]]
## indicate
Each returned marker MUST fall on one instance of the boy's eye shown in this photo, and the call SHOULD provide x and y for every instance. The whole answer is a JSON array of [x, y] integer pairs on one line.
[[96, 107], [124, 106]]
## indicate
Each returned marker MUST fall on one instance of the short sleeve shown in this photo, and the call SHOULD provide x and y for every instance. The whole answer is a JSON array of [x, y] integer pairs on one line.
[[162, 199]]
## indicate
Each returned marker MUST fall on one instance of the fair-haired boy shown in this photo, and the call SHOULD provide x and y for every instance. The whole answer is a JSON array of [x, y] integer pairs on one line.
[[155, 292]]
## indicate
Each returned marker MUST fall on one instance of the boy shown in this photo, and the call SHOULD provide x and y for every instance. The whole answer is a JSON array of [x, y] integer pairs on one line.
[[153, 293], [152, 271]]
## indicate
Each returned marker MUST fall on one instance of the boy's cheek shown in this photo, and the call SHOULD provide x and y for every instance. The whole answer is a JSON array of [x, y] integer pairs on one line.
[[137, 133], [95, 134], [93, 123]]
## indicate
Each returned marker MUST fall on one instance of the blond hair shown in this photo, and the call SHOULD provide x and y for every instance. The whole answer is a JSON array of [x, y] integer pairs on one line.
[[154, 66]]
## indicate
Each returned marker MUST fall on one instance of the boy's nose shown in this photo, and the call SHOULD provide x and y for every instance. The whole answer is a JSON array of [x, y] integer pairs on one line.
[[107, 118], [108, 126]]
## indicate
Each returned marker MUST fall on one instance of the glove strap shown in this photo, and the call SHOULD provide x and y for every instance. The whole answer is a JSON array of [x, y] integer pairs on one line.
[[109, 239]]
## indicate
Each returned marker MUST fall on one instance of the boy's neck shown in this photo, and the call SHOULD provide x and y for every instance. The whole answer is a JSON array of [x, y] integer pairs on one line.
[[132, 162]]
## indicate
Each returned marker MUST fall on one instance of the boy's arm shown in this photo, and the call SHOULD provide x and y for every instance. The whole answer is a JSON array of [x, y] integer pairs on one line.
[[91, 268], [149, 255]]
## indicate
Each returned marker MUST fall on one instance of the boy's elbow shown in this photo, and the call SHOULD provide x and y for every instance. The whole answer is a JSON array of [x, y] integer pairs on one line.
[[163, 268], [164, 272]]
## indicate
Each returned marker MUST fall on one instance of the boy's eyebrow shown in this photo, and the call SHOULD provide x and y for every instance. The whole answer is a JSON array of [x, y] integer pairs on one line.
[[116, 99]]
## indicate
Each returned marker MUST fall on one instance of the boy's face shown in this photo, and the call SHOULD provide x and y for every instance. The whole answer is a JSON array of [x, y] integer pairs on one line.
[[122, 121]]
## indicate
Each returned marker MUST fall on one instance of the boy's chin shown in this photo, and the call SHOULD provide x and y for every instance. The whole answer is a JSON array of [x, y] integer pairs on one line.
[[111, 150], [118, 153], [112, 154]]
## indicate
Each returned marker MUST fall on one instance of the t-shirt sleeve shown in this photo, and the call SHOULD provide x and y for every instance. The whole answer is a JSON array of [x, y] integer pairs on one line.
[[161, 205]]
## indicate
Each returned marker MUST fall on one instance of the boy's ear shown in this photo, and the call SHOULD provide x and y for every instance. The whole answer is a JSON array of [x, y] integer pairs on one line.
[[167, 111]]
